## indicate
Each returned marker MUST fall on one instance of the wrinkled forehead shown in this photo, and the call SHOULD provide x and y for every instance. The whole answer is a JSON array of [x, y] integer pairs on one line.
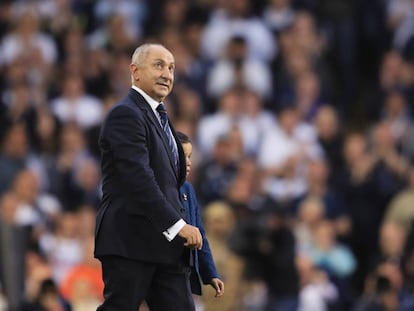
[[161, 53]]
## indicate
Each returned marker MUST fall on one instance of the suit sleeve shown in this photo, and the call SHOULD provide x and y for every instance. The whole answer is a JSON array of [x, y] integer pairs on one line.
[[124, 133], [206, 263]]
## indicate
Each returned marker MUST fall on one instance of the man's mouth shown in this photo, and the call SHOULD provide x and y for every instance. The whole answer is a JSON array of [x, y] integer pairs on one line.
[[164, 84]]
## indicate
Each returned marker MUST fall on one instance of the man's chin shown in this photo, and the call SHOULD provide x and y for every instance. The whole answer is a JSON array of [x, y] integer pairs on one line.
[[163, 94]]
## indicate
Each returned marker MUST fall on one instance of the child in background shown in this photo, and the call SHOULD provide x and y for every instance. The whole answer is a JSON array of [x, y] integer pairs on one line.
[[204, 268]]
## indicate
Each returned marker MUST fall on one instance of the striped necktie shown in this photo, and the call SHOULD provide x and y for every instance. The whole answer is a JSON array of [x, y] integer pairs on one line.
[[165, 126]]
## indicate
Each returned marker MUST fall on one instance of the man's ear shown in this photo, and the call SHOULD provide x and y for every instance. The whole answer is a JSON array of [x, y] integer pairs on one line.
[[134, 71]]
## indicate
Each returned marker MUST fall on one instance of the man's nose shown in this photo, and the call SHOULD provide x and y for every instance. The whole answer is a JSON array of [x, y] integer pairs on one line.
[[167, 74]]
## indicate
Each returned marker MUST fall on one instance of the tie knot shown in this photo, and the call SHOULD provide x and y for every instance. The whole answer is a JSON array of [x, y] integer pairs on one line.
[[161, 109]]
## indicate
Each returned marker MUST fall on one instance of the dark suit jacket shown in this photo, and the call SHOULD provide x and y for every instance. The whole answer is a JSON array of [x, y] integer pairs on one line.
[[140, 186], [203, 267]]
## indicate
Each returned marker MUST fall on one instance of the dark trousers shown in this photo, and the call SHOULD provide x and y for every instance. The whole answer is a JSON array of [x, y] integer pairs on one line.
[[129, 282]]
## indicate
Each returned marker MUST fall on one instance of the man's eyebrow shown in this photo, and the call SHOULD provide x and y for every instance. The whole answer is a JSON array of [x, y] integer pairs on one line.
[[163, 61]]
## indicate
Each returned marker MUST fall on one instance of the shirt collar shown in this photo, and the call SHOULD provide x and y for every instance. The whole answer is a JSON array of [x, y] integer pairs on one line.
[[152, 102]]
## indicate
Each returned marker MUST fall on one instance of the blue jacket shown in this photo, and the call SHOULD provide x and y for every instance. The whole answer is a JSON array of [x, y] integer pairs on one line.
[[203, 267]]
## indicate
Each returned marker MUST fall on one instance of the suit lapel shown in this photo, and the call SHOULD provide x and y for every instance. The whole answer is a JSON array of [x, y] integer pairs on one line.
[[141, 102]]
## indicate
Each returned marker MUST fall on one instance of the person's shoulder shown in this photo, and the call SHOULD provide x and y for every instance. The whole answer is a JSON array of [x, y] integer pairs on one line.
[[120, 112], [123, 106], [187, 188], [118, 109]]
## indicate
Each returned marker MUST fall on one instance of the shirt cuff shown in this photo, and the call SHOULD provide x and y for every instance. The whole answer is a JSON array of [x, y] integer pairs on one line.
[[172, 231]]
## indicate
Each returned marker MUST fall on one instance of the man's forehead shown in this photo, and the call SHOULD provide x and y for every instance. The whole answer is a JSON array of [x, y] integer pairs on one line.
[[160, 53]]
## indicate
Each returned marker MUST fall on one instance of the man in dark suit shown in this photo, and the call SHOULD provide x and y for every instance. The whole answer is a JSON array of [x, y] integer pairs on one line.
[[141, 237]]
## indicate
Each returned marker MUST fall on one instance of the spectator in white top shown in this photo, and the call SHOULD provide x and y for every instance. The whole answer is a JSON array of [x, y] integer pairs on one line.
[[235, 68], [289, 139], [27, 41], [284, 152], [57, 15], [218, 124], [63, 247], [278, 14], [318, 292], [400, 18], [76, 106], [233, 19], [254, 122], [239, 110]]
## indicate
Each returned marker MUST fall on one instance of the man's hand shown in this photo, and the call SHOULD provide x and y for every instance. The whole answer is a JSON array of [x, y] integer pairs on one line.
[[218, 285], [192, 236]]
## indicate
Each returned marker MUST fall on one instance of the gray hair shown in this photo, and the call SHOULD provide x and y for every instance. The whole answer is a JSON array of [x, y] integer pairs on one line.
[[141, 53]]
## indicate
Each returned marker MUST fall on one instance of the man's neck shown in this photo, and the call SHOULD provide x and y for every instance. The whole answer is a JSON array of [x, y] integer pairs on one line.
[[145, 94], [151, 101]]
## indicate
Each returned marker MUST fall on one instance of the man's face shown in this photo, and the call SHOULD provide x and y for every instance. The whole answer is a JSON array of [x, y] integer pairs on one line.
[[188, 151], [155, 76]]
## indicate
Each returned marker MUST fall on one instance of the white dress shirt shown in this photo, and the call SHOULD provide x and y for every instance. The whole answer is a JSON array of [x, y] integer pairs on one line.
[[171, 232]]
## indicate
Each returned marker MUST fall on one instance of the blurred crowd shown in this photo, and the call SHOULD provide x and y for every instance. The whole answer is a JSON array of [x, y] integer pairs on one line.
[[301, 117]]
